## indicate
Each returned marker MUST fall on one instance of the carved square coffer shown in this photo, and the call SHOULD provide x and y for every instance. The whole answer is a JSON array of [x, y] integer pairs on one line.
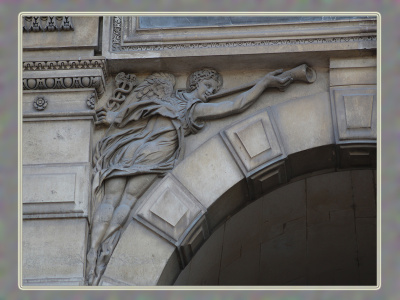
[[354, 113], [170, 210], [254, 142]]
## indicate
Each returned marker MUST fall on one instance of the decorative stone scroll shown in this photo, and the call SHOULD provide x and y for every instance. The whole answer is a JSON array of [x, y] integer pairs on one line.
[[47, 23]]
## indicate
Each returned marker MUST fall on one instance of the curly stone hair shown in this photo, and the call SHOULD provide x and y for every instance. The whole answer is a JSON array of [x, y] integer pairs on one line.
[[203, 74]]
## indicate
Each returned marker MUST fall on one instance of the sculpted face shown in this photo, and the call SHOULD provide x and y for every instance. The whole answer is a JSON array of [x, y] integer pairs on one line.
[[206, 88]]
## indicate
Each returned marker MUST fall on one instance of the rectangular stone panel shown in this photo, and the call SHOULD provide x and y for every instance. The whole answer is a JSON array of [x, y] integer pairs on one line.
[[353, 76], [48, 188], [54, 248], [56, 190], [352, 62], [49, 142], [58, 101], [354, 112], [358, 110]]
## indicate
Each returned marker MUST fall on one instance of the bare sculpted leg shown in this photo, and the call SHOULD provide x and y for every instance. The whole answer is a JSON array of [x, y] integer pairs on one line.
[[134, 188], [113, 190], [120, 195]]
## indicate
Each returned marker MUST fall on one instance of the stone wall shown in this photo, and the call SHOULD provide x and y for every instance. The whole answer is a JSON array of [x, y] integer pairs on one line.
[[284, 138]]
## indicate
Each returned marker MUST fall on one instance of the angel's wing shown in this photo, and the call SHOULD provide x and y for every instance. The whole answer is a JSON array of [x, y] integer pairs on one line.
[[157, 85]]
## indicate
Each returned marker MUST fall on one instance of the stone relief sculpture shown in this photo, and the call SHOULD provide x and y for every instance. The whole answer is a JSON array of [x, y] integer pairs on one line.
[[145, 139]]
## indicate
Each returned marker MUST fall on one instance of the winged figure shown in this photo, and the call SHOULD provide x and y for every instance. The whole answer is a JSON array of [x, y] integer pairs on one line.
[[145, 139]]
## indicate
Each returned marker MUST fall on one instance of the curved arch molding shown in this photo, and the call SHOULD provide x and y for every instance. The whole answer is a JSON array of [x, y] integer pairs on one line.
[[327, 131]]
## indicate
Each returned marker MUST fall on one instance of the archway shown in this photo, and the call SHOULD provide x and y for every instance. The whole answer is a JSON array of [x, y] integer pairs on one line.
[[320, 230], [217, 180]]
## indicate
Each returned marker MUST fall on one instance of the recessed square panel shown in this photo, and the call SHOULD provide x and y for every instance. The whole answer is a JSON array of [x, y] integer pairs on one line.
[[358, 110], [254, 139], [354, 113], [169, 208], [253, 142]]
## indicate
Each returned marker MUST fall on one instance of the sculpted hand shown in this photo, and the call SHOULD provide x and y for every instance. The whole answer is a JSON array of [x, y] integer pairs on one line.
[[274, 80], [104, 116]]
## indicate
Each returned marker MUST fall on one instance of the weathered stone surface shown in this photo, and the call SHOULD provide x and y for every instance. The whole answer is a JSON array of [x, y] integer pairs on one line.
[[243, 271], [353, 76], [206, 165], [54, 249], [285, 204], [56, 190], [326, 194], [331, 246], [138, 263], [170, 272], [367, 250], [305, 123], [283, 259], [56, 142], [245, 227], [364, 193]]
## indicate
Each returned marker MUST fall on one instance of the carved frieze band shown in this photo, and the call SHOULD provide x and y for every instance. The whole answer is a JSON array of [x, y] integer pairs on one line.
[[64, 83], [116, 43], [47, 23], [72, 64]]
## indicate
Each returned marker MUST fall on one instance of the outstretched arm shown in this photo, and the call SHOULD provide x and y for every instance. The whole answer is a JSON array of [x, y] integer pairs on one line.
[[209, 111]]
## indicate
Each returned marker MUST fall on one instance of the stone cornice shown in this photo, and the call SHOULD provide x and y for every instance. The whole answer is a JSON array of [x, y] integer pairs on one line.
[[125, 37], [67, 64]]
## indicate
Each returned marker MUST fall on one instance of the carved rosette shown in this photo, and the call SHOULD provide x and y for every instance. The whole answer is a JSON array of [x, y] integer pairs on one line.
[[40, 103], [47, 23]]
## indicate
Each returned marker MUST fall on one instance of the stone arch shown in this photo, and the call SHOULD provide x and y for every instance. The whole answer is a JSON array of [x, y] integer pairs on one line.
[[321, 133]]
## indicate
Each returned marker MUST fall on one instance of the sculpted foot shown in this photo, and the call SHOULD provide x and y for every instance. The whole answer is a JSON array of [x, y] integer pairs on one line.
[[91, 259]]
